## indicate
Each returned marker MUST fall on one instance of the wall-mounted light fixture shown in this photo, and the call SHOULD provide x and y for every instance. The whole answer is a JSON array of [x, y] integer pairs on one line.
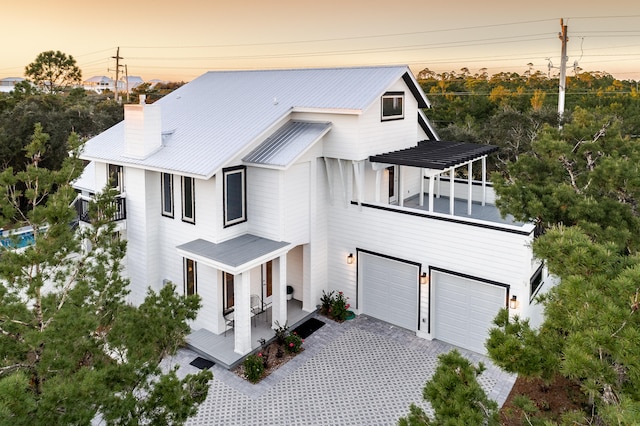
[[513, 303], [350, 259], [424, 278]]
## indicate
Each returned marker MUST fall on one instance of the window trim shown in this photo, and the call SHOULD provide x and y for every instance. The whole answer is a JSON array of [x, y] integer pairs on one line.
[[536, 279], [392, 95], [166, 213], [225, 306], [242, 170], [186, 276], [185, 218], [119, 177]]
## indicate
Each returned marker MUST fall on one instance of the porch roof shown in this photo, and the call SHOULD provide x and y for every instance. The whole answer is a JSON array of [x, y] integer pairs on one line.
[[439, 155], [236, 255]]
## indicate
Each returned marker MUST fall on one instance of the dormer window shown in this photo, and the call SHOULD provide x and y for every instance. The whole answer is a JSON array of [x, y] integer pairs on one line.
[[393, 106]]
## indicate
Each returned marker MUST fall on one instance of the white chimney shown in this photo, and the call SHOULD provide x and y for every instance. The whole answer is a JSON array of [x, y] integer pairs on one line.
[[142, 129]]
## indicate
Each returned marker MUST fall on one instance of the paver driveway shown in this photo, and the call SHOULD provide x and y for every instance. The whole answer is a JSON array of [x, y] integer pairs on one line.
[[361, 372]]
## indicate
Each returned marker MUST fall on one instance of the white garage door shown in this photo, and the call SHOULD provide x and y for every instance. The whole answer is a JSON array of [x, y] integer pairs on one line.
[[389, 290], [464, 309]]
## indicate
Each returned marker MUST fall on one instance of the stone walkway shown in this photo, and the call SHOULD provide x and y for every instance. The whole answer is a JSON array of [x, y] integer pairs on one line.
[[361, 372]]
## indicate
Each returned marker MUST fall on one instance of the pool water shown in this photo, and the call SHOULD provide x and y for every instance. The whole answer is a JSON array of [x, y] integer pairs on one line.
[[18, 241]]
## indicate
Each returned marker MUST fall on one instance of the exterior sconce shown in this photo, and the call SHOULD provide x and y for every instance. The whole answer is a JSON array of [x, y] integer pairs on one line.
[[513, 303], [350, 259], [424, 278]]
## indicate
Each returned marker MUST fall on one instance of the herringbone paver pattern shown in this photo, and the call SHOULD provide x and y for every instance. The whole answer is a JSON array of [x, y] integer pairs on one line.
[[361, 372]]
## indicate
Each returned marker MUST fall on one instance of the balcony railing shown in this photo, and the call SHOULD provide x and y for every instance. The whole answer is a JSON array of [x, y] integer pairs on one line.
[[82, 208]]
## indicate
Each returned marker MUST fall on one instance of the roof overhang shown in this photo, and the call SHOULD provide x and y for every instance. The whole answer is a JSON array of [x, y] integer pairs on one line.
[[236, 255], [439, 155], [287, 144]]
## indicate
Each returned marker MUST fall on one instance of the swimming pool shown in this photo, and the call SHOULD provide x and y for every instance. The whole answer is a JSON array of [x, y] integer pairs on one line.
[[17, 239]]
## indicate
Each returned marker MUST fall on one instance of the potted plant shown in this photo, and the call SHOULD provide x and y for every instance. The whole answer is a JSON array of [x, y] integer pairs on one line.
[[289, 292]]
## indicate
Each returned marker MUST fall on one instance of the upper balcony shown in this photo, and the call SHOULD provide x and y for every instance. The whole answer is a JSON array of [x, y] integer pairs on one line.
[[82, 203]]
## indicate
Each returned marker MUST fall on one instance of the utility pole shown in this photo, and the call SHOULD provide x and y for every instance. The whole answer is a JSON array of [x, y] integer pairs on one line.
[[563, 70], [126, 80], [117, 58]]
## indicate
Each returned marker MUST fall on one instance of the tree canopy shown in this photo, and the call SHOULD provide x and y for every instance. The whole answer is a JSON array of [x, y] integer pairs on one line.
[[72, 350], [53, 71], [83, 113]]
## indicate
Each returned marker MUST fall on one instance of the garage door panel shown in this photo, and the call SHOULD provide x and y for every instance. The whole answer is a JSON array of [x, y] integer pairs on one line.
[[464, 310], [390, 290]]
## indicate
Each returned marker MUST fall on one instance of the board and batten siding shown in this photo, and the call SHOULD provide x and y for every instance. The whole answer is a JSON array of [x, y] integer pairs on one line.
[[377, 136], [296, 203], [142, 236], [264, 205]]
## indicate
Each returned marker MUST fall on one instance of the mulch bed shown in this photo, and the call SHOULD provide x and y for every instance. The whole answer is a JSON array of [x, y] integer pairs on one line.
[[552, 401], [272, 350]]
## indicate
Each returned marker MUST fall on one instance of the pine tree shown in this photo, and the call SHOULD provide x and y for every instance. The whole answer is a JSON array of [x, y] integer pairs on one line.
[[455, 395], [71, 349]]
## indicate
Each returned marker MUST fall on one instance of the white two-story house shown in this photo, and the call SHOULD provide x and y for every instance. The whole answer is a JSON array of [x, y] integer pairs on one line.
[[244, 183]]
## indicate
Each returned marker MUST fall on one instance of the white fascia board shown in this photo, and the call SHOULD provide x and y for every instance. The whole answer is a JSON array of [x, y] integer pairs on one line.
[[145, 167], [235, 270]]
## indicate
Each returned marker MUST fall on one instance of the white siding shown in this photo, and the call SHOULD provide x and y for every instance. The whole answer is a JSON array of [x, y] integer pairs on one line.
[[296, 204], [476, 251], [264, 208]]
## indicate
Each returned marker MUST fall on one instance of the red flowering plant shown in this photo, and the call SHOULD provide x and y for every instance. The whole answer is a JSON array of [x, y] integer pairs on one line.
[[293, 343], [253, 367]]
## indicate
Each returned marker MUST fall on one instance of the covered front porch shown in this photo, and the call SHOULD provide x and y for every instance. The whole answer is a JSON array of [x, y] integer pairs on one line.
[[220, 348], [248, 278]]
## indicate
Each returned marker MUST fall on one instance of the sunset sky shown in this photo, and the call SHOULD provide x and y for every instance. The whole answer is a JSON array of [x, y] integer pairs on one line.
[[175, 41]]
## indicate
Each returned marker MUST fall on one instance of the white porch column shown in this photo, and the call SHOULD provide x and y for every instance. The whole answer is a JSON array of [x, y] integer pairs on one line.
[[432, 182], [242, 313], [484, 180], [470, 186], [400, 187], [452, 190], [421, 187], [279, 295]]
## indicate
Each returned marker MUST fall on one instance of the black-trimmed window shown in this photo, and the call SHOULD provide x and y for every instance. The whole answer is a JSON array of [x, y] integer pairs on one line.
[[227, 292], [188, 200], [393, 106], [115, 176], [166, 184], [190, 281], [536, 282], [235, 197]]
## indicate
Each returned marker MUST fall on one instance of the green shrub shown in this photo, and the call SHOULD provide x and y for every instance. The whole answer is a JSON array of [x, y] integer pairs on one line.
[[253, 368], [293, 343], [326, 302], [340, 307], [281, 332]]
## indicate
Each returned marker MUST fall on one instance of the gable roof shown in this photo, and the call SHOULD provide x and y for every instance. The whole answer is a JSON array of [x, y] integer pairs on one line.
[[213, 119]]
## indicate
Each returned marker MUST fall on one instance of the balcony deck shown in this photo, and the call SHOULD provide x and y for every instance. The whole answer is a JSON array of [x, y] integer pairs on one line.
[[488, 212]]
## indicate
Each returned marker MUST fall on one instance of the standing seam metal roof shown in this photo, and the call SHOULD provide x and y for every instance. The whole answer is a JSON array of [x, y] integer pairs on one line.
[[220, 113], [287, 143]]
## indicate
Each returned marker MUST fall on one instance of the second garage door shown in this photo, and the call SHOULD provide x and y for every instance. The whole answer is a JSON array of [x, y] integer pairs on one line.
[[464, 309], [389, 289]]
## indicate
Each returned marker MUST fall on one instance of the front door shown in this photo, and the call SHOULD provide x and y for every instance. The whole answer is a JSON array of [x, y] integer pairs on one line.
[[267, 282]]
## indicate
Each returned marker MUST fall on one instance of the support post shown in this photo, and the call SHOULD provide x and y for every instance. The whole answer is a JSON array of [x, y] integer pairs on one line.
[[242, 313], [279, 305]]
